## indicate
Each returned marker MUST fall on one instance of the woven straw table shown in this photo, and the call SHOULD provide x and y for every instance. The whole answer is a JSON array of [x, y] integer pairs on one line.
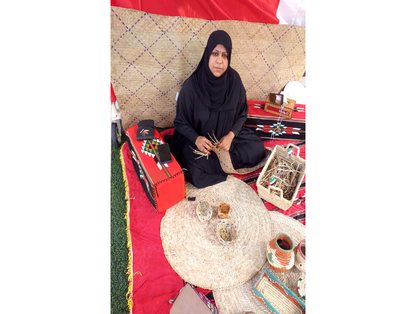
[[240, 299], [193, 249]]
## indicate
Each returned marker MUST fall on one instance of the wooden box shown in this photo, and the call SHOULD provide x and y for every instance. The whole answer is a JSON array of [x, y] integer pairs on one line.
[[274, 104]]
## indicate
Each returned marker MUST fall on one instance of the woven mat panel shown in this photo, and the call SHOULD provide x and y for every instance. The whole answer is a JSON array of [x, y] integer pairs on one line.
[[240, 299], [192, 247], [152, 55]]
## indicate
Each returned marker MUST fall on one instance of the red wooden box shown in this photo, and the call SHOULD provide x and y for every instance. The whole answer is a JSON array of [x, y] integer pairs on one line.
[[164, 184]]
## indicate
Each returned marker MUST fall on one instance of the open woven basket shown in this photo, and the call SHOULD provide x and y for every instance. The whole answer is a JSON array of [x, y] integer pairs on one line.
[[275, 195]]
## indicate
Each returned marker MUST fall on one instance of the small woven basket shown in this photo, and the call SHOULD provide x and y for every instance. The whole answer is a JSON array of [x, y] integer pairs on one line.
[[277, 297], [275, 195], [204, 211], [226, 231]]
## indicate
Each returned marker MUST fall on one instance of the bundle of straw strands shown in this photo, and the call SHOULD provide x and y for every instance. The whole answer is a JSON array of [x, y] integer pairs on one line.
[[284, 173]]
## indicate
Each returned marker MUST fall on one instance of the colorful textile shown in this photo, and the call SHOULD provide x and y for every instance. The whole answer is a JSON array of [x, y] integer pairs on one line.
[[270, 126], [113, 96], [207, 302], [152, 281], [241, 10], [164, 184]]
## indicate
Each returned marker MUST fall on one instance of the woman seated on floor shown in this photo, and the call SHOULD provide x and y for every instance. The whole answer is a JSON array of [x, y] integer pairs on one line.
[[213, 101]]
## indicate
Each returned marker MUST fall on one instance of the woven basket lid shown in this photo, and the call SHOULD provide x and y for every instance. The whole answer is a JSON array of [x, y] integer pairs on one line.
[[240, 299], [193, 249]]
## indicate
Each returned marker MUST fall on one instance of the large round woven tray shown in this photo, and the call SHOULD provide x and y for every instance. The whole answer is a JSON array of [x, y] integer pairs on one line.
[[240, 299], [193, 249]]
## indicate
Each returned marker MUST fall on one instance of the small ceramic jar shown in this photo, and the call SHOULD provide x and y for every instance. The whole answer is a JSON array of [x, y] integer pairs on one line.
[[280, 252], [300, 255]]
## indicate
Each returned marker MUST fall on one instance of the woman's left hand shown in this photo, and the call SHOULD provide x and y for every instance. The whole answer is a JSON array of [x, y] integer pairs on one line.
[[225, 141]]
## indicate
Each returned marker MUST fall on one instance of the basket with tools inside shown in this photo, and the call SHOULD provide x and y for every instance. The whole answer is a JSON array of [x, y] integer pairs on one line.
[[281, 177]]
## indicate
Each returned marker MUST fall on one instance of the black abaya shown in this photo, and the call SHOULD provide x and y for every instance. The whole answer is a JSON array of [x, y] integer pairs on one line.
[[208, 104]]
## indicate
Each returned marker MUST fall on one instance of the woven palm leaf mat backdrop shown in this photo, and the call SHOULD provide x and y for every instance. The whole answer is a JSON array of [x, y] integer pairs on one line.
[[152, 55]]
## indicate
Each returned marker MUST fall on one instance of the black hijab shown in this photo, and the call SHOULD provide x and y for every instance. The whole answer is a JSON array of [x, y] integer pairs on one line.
[[218, 93]]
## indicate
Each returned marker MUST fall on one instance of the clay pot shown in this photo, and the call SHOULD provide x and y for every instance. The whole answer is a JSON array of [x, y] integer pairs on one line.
[[280, 253], [300, 256]]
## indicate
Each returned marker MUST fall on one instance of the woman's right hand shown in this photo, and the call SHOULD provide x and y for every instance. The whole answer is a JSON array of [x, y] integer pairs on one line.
[[204, 145]]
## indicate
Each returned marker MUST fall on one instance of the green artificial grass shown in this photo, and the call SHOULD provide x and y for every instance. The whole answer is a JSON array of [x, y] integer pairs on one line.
[[119, 250]]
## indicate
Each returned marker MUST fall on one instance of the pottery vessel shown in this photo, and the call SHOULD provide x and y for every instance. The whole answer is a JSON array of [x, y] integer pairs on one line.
[[280, 252], [300, 256]]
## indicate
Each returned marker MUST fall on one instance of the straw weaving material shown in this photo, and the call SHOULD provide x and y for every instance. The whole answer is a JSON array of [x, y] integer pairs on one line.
[[240, 299], [193, 249], [227, 165], [152, 55]]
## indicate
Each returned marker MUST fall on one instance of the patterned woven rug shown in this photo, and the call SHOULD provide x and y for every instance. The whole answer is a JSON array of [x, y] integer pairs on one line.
[[268, 126], [152, 55], [273, 131], [152, 281]]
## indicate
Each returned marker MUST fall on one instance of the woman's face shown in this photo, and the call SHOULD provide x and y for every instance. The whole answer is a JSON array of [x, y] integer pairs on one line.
[[218, 61]]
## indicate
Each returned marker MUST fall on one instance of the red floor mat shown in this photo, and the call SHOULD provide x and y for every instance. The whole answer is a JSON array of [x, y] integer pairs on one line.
[[152, 281]]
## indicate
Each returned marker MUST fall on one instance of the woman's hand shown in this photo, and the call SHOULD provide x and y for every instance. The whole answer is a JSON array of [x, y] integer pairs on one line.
[[204, 145], [225, 141]]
